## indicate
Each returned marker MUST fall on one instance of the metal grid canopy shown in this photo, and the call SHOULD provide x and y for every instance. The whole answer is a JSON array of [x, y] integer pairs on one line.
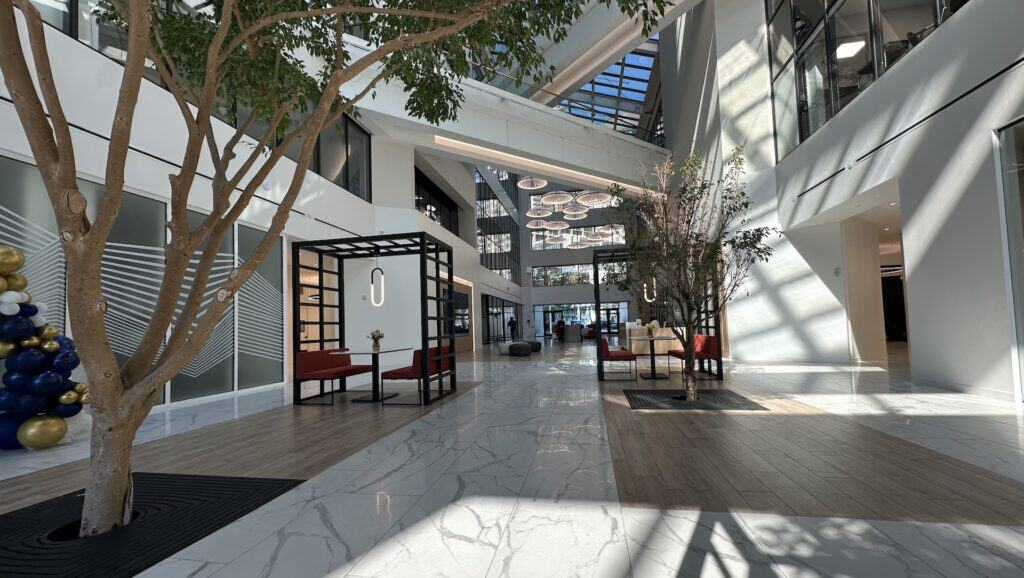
[[620, 254], [437, 297]]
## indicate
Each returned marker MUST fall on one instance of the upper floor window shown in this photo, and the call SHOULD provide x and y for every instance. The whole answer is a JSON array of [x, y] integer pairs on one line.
[[435, 204], [823, 53], [343, 157]]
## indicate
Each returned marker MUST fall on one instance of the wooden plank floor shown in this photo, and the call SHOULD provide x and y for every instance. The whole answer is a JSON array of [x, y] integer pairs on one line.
[[294, 442], [793, 460]]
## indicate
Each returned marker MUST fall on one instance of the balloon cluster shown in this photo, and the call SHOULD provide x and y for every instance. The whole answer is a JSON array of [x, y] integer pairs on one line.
[[37, 392]]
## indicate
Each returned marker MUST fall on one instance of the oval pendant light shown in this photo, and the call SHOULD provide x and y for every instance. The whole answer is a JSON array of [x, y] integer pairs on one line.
[[532, 183]]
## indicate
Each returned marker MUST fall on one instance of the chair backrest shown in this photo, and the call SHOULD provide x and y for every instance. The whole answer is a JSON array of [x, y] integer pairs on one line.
[[604, 346], [446, 362], [309, 361], [706, 344]]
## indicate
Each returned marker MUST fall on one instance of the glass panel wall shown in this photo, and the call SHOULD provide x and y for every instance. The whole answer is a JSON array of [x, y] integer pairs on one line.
[[854, 60], [435, 204], [566, 275], [1012, 144], [580, 314], [497, 315], [213, 369], [813, 90], [260, 315], [497, 234], [817, 69]]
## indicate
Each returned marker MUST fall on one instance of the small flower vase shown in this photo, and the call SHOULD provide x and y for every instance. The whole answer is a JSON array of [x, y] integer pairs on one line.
[[376, 344], [650, 332]]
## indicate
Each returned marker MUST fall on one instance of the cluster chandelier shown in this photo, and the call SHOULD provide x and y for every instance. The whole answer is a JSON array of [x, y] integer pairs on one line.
[[568, 207]]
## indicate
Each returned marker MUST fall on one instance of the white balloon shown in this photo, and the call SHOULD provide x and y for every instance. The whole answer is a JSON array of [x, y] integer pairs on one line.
[[10, 297], [24, 297], [41, 307], [38, 320], [9, 308], [79, 429]]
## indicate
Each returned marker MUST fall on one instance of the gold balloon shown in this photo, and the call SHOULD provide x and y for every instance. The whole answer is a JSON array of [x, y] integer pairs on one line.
[[49, 346], [11, 259], [68, 397], [16, 282], [47, 332], [42, 431], [6, 348], [84, 398], [3, 284], [30, 342], [81, 388]]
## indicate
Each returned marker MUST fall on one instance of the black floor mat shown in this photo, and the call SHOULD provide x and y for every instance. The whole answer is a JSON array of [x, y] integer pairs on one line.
[[714, 399], [173, 511]]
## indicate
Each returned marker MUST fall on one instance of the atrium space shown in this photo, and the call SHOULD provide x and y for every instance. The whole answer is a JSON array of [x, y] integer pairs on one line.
[[512, 289]]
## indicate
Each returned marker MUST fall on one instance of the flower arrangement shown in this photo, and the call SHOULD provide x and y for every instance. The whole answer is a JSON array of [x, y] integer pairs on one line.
[[650, 328], [377, 336]]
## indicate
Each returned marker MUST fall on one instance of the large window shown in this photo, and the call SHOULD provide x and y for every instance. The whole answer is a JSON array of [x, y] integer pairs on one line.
[[437, 206], [497, 234], [497, 315], [823, 53], [343, 157], [260, 315], [1012, 143]]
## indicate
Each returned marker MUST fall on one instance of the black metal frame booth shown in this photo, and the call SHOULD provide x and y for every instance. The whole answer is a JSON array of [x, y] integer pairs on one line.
[[709, 327], [436, 267]]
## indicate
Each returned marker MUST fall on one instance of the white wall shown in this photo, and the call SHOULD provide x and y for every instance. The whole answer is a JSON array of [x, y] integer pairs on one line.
[[863, 291]]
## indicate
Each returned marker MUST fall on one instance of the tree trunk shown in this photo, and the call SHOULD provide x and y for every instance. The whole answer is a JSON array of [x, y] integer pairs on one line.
[[109, 495], [689, 371]]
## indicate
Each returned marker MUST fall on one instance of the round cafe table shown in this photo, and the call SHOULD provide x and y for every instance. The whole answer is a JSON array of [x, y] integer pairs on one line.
[[375, 395], [654, 367]]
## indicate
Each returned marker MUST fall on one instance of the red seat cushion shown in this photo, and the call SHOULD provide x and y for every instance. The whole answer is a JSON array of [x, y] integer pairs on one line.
[[621, 355], [326, 364], [409, 372], [677, 353]]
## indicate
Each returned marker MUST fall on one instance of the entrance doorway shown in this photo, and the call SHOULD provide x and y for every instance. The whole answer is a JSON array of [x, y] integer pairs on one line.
[[551, 318], [610, 321]]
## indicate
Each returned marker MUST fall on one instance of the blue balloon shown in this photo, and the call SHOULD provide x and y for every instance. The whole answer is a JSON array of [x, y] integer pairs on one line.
[[8, 399], [17, 381], [9, 424], [28, 310], [65, 361], [30, 404], [16, 328], [47, 383], [66, 343], [67, 409], [26, 361]]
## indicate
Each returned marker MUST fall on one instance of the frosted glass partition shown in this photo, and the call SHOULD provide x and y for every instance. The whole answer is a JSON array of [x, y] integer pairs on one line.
[[260, 315], [1012, 141]]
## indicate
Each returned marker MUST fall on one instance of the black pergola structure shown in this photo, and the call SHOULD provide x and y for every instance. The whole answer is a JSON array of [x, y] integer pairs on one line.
[[709, 327], [437, 296]]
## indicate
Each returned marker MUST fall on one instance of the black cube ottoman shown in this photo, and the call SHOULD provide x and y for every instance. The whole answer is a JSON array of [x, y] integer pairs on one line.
[[534, 345], [519, 349]]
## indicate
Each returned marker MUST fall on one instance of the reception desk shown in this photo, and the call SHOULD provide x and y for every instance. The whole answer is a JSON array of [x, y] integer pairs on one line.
[[639, 344]]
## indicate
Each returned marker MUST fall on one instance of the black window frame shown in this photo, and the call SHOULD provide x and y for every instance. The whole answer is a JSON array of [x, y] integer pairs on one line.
[[773, 9], [448, 210]]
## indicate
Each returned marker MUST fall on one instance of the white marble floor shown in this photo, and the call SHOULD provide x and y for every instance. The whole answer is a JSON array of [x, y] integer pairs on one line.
[[514, 478]]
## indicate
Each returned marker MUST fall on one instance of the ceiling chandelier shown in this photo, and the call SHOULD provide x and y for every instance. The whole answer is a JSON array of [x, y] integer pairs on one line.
[[532, 183], [609, 229], [555, 225], [556, 239], [556, 198], [575, 208], [538, 213], [594, 238], [575, 217], [577, 245], [593, 199], [538, 224]]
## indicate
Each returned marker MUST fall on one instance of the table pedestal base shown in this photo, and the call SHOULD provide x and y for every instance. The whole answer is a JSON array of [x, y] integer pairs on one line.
[[653, 376]]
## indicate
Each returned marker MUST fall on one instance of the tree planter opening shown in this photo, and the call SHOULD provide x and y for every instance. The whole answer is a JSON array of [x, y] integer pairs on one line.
[[171, 512]]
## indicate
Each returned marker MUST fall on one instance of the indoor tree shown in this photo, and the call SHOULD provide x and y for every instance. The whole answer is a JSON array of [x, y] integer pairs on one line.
[[281, 60], [689, 245]]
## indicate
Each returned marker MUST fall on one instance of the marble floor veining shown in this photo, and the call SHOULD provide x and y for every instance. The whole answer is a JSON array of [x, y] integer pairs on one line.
[[515, 478]]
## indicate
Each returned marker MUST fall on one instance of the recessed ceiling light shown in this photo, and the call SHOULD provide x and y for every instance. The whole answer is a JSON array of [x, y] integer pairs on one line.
[[892, 204], [849, 49], [887, 228]]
